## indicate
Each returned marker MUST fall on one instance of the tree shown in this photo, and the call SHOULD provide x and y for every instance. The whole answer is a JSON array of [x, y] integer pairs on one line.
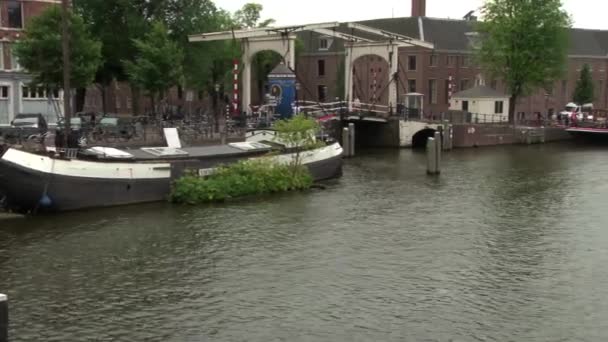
[[40, 51], [249, 15], [524, 42], [158, 64], [299, 134], [583, 93]]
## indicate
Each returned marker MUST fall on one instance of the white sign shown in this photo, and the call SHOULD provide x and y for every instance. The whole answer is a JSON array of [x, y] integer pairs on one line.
[[189, 96], [205, 172]]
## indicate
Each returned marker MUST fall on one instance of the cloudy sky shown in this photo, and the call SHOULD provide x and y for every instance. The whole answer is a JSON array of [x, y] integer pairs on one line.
[[586, 13]]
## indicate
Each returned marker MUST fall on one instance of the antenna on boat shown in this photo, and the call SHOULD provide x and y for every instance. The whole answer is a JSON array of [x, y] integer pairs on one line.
[[65, 40]]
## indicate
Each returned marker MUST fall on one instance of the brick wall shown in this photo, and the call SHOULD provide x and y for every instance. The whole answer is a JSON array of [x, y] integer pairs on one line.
[[447, 64]]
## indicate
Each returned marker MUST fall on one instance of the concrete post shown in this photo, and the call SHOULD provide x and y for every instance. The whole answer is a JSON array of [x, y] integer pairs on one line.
[[438, 147], [346, 141], [431, 157], [351, 139], [3, 318]]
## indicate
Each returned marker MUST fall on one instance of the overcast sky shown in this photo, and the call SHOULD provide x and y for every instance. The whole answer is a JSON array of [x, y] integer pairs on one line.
[[586, 13]]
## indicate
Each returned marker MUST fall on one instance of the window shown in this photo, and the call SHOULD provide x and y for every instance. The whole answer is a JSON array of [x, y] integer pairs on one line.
[[411, 63], [432, 91], [549, 90], [129, 102], [38, 93], [565, 90], [494, 84], [15, 19], [323, 44], [180, 92], [321, 67], [451, 61], [117, 102], [465, 106], [411, 86], [3, 92], [465, 61], [322, 93], [464, 84], [498, 107], [433, 61]]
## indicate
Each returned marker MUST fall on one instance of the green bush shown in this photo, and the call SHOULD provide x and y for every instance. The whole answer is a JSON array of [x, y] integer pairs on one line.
[[244, 178]]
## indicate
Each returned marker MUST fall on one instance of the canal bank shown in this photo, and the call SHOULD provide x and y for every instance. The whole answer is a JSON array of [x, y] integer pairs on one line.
[[407, 134], [516, 253]]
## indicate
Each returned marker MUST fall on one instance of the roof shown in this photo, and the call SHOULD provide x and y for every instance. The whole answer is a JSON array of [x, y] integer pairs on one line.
[[451, 35], [479, 92], [281, 69]]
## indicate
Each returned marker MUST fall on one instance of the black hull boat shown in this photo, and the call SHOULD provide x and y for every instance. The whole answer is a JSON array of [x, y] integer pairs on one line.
[[34, 183], [589, 134]]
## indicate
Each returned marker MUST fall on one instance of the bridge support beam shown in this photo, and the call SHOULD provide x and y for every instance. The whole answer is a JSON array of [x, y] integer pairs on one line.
[[284, 45]]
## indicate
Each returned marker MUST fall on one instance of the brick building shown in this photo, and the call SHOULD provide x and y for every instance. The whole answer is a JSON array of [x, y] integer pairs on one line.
[[15, 95], [427, 71]]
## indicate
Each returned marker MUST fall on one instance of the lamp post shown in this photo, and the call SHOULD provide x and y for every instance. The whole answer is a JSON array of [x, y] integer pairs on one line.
[[216, 104], [296, 107], [218, 115]]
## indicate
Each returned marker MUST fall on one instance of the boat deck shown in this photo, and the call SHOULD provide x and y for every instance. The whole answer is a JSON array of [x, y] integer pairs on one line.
[[200, 152]]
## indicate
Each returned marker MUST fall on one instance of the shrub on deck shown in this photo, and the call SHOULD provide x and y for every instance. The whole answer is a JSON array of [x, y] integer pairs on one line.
[[244, 178]]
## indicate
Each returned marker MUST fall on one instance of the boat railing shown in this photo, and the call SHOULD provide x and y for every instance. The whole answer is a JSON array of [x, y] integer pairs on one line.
[[67, 153]]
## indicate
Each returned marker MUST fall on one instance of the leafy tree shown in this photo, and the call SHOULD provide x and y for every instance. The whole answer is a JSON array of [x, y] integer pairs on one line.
[[249, 16], [583, 93], [524, 42], [298, 133], [40, 52], [158, 65], [106, 18]]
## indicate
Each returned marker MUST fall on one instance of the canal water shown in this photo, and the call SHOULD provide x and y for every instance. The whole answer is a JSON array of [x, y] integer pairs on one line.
[[509, 244]]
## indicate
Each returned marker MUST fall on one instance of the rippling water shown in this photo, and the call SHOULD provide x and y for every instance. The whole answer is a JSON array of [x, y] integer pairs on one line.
[[509, 244]]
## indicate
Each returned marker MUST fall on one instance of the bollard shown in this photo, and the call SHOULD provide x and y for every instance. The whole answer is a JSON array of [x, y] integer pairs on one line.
[[431, 156], [346, 142], [438, 147], [3, 318], [351, 137]]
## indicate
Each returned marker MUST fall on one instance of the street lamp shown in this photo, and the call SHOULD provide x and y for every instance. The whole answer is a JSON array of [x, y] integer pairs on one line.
[[216, 88]]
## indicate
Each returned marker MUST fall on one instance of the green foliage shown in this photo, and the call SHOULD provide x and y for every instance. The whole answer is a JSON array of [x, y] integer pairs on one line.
[[525, 43], [249, 16], [40, 52], [583, 93], [245, 178], [158, 65], [299, 134]]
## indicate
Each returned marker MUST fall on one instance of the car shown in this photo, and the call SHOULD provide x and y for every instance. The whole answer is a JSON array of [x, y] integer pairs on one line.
[[35, 122], [116, 126], [27, 125]]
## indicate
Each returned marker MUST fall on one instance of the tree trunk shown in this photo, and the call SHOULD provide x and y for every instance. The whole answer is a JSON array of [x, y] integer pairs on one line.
[[81, 94], [512, 104], [153, 104], [135, 100], [104, 105]]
